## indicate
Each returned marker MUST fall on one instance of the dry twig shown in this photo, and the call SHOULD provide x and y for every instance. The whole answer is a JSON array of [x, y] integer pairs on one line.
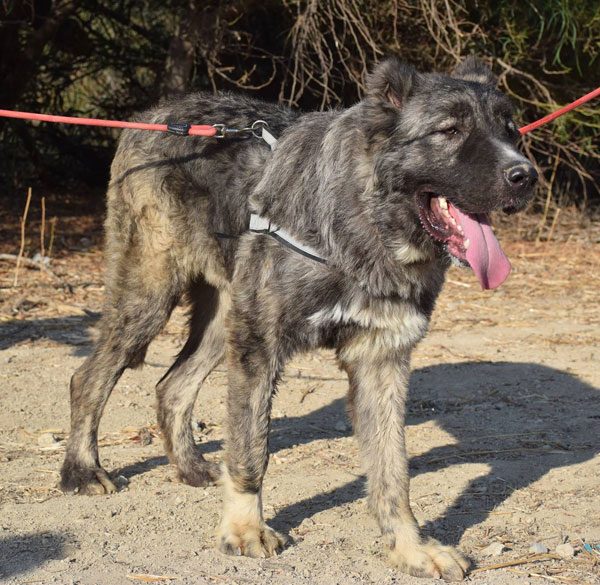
[[561, 579], [43, 229], [522, 561], [22, 247]]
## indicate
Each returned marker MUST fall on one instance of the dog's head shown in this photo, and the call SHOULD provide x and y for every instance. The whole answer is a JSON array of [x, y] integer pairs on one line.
[[448, 143]]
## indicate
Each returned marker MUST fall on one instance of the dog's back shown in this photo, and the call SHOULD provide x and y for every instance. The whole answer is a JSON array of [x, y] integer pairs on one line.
[[177, 192]]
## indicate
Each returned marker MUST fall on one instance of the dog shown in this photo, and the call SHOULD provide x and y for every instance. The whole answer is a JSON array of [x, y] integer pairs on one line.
[[339, 237]]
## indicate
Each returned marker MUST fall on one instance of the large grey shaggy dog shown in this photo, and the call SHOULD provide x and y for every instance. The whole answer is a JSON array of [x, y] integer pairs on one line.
[[386, 194]]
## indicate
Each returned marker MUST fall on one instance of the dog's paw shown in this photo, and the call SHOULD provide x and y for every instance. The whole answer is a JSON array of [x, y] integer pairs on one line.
[[249, 540], [430, 559], [85, 481], [201, 474]]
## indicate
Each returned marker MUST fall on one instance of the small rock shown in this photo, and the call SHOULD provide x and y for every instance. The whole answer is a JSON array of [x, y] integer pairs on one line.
[[538, 548], [121, 481], [493, 550], [47, 440], [145, 437], [41, 259], [341, 426], [198, 425], [566, 551]]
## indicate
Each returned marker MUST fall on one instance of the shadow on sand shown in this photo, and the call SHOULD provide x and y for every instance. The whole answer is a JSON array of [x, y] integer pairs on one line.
[[521, 419], [71, 330], [24, 552]]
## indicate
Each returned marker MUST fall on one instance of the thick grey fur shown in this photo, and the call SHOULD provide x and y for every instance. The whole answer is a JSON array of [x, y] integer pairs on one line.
[[345, 182]]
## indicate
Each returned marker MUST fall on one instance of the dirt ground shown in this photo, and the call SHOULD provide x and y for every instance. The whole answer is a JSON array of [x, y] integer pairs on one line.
[[503, 433]]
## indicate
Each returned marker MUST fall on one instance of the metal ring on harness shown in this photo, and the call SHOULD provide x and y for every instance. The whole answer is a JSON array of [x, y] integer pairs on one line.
[[257, 128]]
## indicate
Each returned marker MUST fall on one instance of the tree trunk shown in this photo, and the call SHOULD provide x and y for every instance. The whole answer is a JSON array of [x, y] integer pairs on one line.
[[179, 64]]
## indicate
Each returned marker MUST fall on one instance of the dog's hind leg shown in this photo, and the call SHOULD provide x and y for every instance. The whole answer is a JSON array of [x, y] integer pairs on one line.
[[126, 332], [378, 371], [123, 343], [177, 390], [143, 285]]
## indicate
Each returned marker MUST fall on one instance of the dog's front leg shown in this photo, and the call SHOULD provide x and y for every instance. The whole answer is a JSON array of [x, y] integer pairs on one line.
[[378, 372], [252, 379]]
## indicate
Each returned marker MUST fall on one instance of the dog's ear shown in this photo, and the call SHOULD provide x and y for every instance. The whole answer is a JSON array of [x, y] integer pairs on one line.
[[391, 82], [471, 69]]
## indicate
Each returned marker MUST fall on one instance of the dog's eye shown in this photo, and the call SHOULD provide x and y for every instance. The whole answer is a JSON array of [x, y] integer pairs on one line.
[[452, 131]]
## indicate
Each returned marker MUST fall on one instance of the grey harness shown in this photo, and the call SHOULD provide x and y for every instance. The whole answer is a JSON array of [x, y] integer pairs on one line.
[[263, 225]]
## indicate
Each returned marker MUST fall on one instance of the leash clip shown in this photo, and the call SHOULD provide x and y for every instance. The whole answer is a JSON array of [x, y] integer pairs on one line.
[[224, 132], [257, 129]]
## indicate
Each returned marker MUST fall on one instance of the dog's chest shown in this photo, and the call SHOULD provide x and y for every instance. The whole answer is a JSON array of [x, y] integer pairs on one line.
[[400, 319]]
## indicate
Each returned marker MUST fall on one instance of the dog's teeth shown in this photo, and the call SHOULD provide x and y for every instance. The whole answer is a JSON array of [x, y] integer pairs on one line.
[[443, 202], [460, 229], [466, 244], [446, 213]]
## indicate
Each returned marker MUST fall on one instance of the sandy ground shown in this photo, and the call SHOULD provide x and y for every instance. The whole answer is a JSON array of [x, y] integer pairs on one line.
[[503, 433]]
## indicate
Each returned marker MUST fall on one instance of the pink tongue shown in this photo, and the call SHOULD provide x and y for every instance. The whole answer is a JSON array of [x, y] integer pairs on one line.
[[484, 254]]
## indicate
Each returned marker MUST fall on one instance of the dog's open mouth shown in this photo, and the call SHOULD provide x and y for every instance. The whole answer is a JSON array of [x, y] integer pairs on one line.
[[468, 237]]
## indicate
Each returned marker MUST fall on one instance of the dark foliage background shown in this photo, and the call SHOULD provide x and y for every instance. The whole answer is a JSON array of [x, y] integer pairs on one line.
[[112, 58]]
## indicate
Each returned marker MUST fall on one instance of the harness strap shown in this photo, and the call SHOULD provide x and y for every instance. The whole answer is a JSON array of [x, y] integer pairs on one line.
[[268, 138], [263, 225]]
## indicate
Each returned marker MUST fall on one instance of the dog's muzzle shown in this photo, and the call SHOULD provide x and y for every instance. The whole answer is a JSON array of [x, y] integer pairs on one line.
[[522, 176], [520, 180]]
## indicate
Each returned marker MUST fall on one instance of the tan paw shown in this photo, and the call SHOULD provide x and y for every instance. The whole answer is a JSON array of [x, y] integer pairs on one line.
[[430, 559], [86, 481], [249, 540]]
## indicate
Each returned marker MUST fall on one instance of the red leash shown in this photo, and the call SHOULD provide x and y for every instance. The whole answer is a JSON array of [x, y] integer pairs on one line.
[[553, 115], [179, 129], [184, 129]]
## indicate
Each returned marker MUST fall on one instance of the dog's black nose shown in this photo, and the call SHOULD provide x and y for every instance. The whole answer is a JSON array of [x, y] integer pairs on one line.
[[521, 176]]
